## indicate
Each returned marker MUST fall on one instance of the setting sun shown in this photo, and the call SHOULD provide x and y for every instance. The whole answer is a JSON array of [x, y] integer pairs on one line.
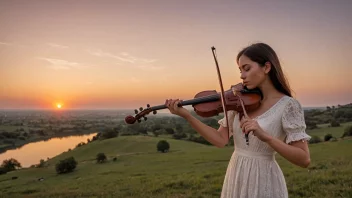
[[59, 106]]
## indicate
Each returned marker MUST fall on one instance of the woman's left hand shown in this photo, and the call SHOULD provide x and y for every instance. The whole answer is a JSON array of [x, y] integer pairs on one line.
[[250, 125]]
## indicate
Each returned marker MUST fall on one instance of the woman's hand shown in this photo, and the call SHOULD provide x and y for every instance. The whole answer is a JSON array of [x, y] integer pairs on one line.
[[174, 109], [250, 125]]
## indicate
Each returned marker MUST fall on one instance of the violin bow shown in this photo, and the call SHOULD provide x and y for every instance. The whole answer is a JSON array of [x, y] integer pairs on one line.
[[222, 92]]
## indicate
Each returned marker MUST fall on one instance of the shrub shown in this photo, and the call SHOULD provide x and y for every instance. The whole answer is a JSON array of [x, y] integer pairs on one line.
[[327, 137], [179, 135], [65, 166], [334, 123], [109, 133], [114, 159], [10, 164], [333, 139], [314, 139], [101, 157], [2, 170], [163, 146], [80, 144], [348, 131]]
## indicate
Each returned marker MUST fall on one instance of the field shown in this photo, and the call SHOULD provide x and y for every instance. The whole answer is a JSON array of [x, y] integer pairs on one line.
[[188, 170], [325, 129]]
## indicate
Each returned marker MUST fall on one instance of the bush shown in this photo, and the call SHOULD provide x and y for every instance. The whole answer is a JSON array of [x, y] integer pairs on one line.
[[41, 163], [334, 123], [10, 164], [199, 139], [333, 139], [314, 139], [163, 146], [65, 166], [109, 133], [101, 157], [80, 144], [327, 137], [2, 170], [348, 131], [179, 135]]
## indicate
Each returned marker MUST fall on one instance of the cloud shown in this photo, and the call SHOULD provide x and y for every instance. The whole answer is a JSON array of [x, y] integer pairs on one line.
[[59, 64], [101, 53], [124, 57], [150, 67], [4, 43], [57, 45]]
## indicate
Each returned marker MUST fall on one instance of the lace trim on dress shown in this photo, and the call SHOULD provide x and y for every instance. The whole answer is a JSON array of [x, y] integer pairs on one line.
[[292, 137], [293, 122]]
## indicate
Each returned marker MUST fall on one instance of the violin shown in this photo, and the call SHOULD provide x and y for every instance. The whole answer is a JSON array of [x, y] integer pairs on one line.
[[211, 103], [208, 103]]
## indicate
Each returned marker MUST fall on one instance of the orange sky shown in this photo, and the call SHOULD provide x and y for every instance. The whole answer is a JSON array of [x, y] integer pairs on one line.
[[112, 54]]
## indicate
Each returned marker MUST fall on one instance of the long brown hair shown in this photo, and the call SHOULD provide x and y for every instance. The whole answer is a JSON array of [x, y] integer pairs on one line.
[[262, 53]]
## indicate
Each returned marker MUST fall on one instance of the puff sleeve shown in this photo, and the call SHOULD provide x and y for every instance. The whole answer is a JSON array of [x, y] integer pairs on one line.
[[231, 116], [293, 122]]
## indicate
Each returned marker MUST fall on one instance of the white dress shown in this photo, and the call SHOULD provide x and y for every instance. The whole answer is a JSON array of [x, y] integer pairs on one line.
[[253, 171]]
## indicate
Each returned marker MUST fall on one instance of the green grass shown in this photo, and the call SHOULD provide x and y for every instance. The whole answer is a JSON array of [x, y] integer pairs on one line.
[[188, 170], [325, 129]]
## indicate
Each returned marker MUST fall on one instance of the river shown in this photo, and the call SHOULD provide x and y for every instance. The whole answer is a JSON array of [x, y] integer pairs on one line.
[[32, 153]]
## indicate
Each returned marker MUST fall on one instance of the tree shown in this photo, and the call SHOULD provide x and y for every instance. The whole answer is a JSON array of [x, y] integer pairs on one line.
[[314, 139], [179, 135], [170, 130], [348, 131], [101, 157], [109, 133], [65, 166], [327, 137], [11, 164], [163, 146], [41, 163]]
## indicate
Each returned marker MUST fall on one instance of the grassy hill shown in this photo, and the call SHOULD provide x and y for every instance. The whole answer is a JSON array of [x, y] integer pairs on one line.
[[188, 170]]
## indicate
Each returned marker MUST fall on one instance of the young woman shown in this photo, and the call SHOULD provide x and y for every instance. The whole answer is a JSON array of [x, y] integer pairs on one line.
[[277, 126]]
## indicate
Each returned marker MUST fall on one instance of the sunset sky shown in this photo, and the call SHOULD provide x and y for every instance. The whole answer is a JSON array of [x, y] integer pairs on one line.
[[124, 54]]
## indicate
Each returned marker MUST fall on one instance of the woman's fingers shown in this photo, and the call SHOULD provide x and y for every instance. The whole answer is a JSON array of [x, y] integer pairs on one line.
[[175, 104], [243, 121], [172, 104]]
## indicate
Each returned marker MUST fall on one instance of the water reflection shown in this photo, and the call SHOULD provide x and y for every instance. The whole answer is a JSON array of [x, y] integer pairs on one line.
[[32, 153]]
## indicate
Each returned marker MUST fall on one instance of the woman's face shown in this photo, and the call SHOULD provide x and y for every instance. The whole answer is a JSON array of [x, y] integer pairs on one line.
[[252, 73]]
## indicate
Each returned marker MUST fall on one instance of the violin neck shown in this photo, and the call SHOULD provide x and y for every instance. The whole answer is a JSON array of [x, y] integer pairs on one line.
[[210, 98]]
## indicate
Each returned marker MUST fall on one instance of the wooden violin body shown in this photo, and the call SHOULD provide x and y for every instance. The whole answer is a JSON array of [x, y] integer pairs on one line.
[[208, 103]]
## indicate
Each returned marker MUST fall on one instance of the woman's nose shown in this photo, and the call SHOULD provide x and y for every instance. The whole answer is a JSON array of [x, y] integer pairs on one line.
[[242, 76]]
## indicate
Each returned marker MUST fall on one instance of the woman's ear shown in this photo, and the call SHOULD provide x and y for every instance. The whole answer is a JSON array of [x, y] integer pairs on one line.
[[267, 67]]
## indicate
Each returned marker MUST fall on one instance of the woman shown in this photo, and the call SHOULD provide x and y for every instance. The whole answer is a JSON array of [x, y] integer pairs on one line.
[[277, 126]]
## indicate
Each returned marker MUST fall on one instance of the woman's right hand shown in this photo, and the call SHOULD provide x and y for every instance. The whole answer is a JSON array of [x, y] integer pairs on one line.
[[174, 109]]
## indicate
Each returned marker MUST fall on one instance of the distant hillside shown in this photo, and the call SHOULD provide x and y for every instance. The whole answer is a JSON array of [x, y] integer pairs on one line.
[[333, 115]]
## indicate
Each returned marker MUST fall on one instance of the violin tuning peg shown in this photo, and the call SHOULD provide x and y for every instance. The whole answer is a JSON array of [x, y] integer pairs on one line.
[[145, 118], [139, 120], [148, 105], [154, 112], [135, 111], [141, 108]]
